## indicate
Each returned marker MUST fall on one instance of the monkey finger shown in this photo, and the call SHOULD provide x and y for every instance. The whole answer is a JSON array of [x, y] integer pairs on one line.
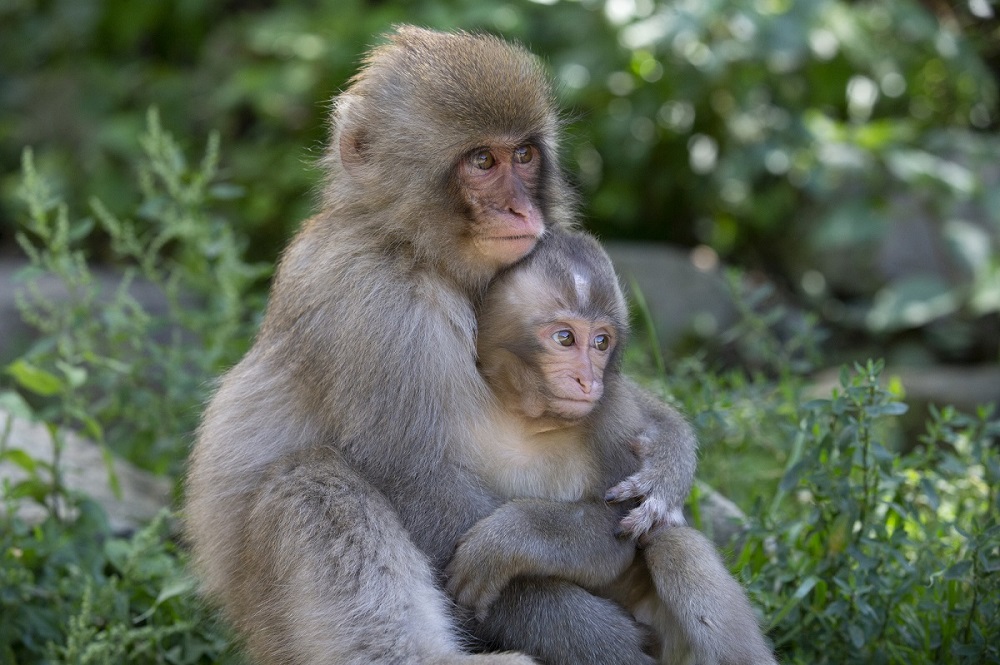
[[626, 489], [635, 486], [464, 594], [457, 583], [453, 586], [633, 528], [642, 520], [477, 599], [471, 591]]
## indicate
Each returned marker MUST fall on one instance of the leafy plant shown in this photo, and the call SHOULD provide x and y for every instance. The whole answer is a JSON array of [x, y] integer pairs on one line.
[[128, 372], [71, 592], [131, 377], [883, 557], [856, 551]]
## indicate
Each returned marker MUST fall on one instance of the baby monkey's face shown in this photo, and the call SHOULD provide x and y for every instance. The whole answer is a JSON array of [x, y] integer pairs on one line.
[[545, 360], [573, 355], [549, 328]]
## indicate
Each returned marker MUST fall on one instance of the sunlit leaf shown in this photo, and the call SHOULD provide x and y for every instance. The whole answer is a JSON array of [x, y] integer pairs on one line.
[[35, 379]]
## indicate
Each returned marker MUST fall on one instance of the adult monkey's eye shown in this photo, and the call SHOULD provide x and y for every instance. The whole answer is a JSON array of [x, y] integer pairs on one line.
[[523, 154], [602, 342], [564, 337], [483, 160]]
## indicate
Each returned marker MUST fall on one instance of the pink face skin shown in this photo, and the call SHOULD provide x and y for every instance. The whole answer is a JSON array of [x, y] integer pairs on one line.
[[499, 183], [576, 354]]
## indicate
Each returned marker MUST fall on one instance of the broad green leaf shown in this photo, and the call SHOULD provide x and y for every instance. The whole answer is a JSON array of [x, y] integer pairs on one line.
[[20, 458], [803, 589], [35, 379]]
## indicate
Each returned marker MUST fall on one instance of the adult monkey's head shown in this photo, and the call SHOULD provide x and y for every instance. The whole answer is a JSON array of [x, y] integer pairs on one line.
[[447, 144]]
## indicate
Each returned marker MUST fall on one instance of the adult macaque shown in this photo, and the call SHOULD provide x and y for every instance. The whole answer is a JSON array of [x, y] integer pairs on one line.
[[550, 329], [330, 481]]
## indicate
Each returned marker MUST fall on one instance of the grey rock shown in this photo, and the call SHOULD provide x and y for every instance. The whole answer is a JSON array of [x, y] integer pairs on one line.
[[682, 298], [964, 387], [721, 519], [84, 469]]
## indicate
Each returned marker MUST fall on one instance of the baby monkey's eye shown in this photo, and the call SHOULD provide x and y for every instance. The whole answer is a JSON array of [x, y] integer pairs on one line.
[[564, 337], [483, 160], [602, 342], [523, 154]]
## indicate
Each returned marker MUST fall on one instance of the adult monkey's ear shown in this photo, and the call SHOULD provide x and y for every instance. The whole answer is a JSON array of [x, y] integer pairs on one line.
[[352, 138]]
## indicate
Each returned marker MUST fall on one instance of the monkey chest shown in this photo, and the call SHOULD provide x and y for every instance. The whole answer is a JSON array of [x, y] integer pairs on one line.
[[550, 465]]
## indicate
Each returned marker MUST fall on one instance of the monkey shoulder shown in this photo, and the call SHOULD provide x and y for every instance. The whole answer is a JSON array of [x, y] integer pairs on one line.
[[346, 296], [353, 333]]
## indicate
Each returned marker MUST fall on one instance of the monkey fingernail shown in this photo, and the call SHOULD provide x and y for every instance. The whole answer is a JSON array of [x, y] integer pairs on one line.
[[619, 493]]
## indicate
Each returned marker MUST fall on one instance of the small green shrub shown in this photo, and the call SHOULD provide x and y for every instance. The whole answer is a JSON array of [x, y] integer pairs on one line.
[[884, 558], [71, 592], [133, 379], [124, 372], [857, 552]]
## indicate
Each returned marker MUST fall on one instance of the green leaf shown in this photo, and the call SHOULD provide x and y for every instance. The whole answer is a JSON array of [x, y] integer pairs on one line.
[[31, 488], [820, 597], [76, 376], [958, 571], [20, 458], [791, 479], [109, 464], [14, 404], [919, 167], [172, 590], [890, 409], [911, 303], [857, 636], [35, 379], [796, 599], [816, 405], [118, 552]]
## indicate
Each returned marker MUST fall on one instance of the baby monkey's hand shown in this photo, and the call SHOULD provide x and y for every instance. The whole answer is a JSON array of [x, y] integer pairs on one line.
[[660, 501]]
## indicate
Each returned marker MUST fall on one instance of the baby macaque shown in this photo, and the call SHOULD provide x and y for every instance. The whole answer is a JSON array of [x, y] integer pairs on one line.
[[568, 425]]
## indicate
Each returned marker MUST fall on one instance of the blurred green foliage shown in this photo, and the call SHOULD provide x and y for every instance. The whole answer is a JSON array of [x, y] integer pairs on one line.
[[844, 147], [881, 558], [126, 357], [73, 592]]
